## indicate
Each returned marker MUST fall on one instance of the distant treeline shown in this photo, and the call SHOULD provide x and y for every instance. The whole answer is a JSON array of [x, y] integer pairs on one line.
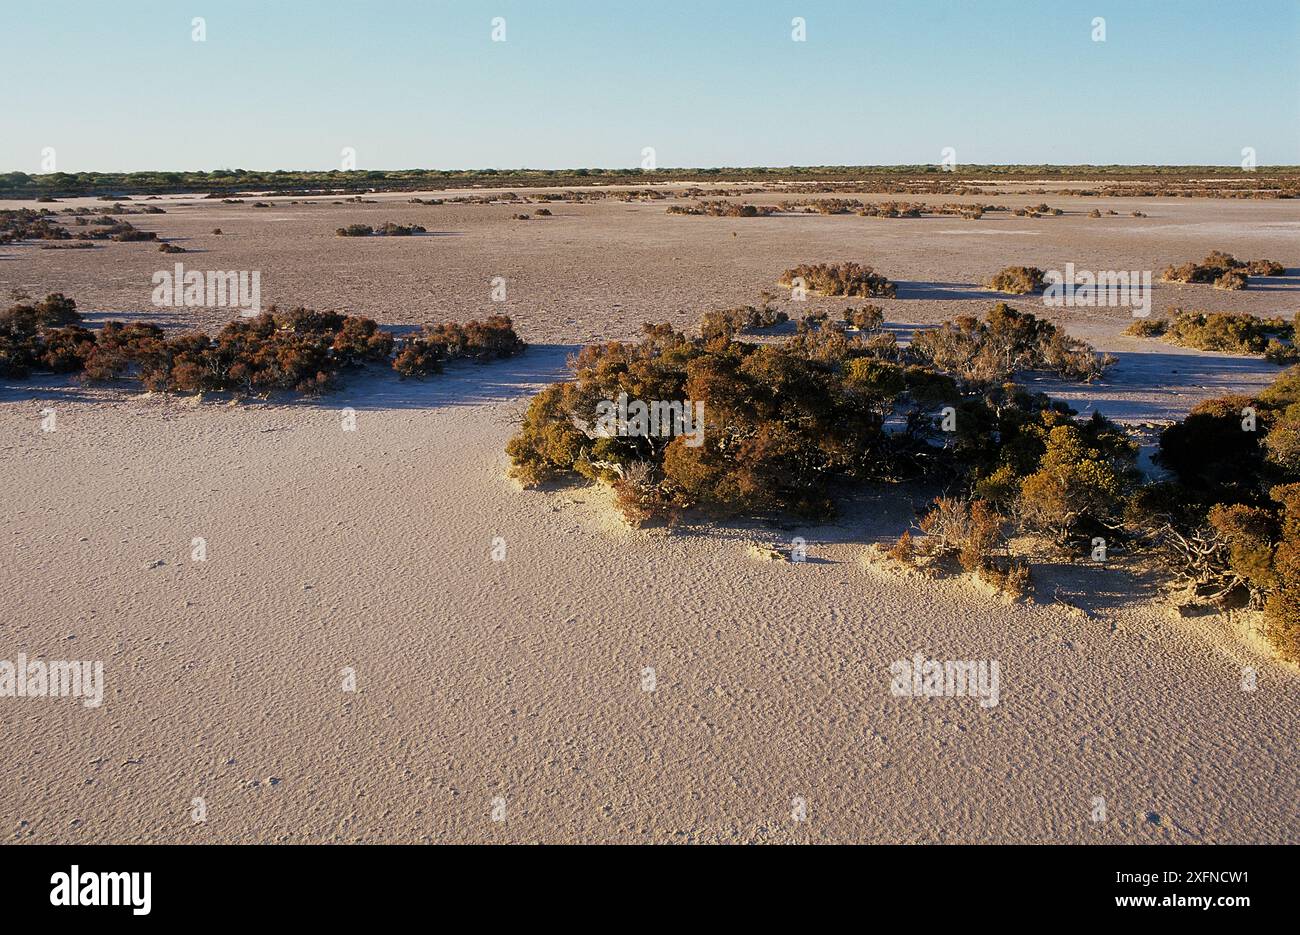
[[228, 181]]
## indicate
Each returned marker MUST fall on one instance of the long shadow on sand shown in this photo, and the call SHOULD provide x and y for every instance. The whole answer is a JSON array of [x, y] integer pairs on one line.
[[1289, 281], [461, 384], [949, 291], [1156, 386]]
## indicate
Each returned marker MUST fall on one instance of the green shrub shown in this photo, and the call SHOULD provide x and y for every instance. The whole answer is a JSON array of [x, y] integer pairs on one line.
[[1078, 489], [783, 422], [1228, 332], [1007, 341], [1147, 327]]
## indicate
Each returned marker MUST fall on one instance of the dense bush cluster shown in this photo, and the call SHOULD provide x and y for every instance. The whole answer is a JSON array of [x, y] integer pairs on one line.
[[1223, 270], [1017, 280], [1225, 331], [779, 423], [1147, 327], [783, 422], [1230, 521], [1117, 181], [388, 229], [723, 209], [1228, 332], [26, 224], [300, 350], [1006, 341], [886, 209], [727, 323], [832, 279], [1037, 211], [479, 341]]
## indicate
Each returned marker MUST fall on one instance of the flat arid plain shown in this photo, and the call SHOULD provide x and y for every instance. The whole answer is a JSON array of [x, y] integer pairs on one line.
[[506, 700]]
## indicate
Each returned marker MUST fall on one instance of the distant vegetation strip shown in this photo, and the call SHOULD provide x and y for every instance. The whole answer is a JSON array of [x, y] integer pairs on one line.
[[1276, 181]]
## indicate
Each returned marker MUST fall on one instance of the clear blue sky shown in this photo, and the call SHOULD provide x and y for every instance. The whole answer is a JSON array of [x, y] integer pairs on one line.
[[120, 86]]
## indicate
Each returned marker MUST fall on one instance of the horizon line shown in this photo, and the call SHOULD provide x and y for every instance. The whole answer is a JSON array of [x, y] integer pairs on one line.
[[625, 170]]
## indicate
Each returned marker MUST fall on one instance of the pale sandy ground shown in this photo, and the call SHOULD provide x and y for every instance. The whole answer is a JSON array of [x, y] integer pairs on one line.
[[522, 679]]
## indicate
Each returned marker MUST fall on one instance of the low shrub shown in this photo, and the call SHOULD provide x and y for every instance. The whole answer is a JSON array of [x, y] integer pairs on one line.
[[418, 357], [1232, 280], [868, 318], [389, 229], [1147, 327], [1005, 342], [903, 550], [1228, 332], [360, 340], [480, 341], [783, 421], [839, 279], [1017, 280], [1223, 270], [968, 532], [1080, 486], [299, 349], [126, 233], [723, 209], [1264, 268], [1229, 524], [53, 311], [727, 323]]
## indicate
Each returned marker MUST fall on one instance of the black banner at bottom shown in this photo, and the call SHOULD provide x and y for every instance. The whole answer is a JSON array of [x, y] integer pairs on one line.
[[143, 884]]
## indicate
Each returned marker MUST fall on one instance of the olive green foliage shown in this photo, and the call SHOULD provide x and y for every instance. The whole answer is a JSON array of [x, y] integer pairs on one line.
[[1231, 519], [1006, 341], [1147, 327], [1233, 333], [783, 423]]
